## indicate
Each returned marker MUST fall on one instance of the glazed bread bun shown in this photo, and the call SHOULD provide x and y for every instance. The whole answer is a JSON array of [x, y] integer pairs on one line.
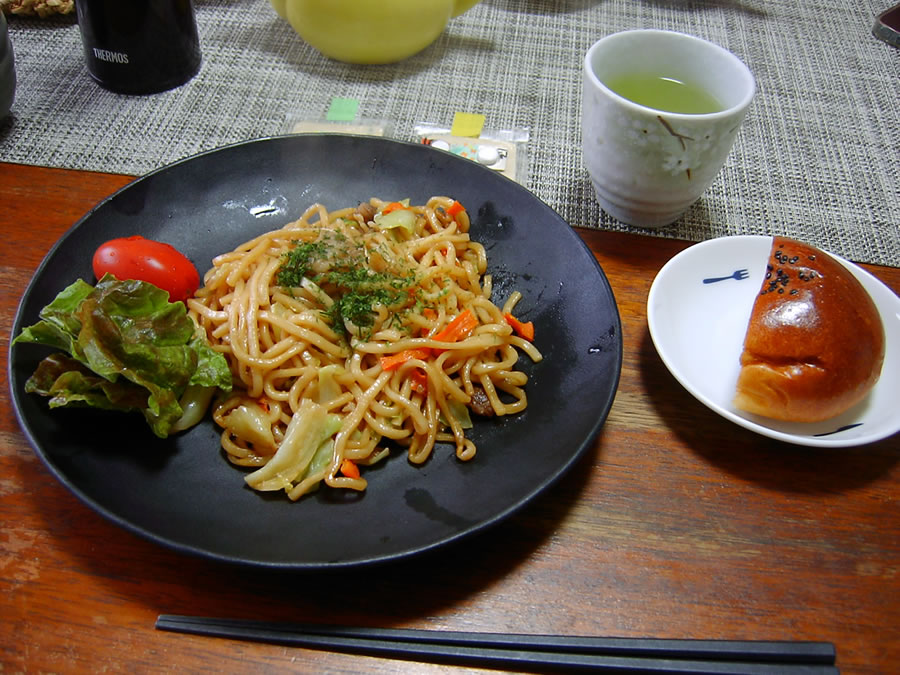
[[815, 342]]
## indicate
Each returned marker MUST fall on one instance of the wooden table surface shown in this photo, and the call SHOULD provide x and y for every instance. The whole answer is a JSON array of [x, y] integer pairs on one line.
[[677, 523]]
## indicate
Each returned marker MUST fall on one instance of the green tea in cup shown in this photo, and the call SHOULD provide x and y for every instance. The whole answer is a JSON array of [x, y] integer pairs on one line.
[[664, 93], [660, 114]]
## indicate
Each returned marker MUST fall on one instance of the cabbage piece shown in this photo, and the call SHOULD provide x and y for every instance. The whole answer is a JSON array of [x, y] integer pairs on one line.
[[308, 429], [460, 412], [194, 403], [400, 218], [322, 459], [248, 421], [329, 389], [311, 479]]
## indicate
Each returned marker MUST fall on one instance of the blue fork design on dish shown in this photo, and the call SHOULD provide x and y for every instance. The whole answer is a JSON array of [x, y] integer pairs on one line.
[[738, 275]]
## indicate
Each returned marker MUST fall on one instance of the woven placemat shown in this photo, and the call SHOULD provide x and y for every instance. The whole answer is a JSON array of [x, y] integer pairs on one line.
[[817, 158]]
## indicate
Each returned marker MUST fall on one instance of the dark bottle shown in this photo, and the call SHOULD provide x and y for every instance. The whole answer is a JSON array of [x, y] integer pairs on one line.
[[139, 46]]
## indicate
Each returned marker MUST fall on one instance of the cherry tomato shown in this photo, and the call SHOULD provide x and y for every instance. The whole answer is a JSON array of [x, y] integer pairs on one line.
[[146, 260]]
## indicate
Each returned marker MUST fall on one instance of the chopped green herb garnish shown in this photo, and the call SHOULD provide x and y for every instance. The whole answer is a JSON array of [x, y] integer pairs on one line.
[[297, 261], [342, 273], [356, 307]]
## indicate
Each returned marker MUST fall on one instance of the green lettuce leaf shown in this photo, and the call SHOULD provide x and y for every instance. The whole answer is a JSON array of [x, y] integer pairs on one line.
[[66, 382], [129, 348], [212, 368], [59, 325]]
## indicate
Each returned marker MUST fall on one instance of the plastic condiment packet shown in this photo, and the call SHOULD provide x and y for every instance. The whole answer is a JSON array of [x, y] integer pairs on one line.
[[359, 127], [504, 150], [340, 118]]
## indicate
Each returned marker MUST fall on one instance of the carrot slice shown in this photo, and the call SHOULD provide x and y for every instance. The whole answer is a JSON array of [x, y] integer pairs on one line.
[[454, 209], [393, 206], [349, 468], [394, 361], [419, 380], [463, 324], [525, 330]]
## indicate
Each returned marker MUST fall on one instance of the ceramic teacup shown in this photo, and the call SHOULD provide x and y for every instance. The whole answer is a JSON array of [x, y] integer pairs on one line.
[[370, 31], [647, 163]]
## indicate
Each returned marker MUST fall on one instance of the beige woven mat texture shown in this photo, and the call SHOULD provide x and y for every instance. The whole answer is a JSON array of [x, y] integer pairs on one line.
[[818, 157]]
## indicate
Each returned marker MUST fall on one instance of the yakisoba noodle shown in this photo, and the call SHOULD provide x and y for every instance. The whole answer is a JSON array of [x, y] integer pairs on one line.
[[351, 331]]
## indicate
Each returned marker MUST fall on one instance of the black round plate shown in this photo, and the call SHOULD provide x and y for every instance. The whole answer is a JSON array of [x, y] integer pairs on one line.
[[181, 492]]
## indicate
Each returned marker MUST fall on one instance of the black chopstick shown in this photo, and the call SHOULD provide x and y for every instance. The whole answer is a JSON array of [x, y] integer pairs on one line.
[[623, 655]]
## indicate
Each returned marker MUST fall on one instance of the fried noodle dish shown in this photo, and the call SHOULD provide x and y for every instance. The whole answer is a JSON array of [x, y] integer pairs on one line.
[[350, 332]]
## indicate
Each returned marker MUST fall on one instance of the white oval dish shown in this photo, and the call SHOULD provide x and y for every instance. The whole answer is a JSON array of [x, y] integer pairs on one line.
[[698, 329]]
